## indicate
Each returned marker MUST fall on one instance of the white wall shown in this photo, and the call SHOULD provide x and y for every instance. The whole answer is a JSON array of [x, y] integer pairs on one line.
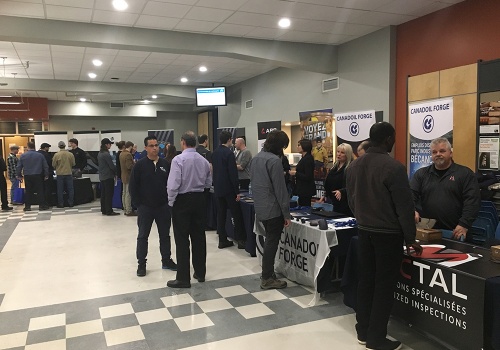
[[366, 72], [132, 128]]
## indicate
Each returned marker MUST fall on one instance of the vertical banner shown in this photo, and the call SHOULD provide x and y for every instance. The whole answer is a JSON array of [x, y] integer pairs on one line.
[[164, 137], [313, 125], [354, 127], [264, 128], [428, 121], [236, 132]]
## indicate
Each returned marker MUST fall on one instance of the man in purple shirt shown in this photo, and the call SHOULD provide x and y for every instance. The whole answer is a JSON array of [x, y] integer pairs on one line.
[[189, 178]]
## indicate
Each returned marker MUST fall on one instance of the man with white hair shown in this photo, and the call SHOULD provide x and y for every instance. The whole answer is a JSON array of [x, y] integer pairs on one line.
[[446, 191]]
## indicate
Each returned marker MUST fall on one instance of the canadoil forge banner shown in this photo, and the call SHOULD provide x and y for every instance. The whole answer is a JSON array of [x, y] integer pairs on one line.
[[315, 125], [353, 127]]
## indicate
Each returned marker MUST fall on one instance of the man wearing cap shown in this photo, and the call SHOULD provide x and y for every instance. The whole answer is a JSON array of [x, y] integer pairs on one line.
[[47, 185], [12, 161], [63, 162], [34, 169], [107, 175], [80, 157]]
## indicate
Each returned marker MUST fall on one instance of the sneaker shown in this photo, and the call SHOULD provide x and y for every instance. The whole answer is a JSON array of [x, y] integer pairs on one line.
[[113, 213], [169, 265], [272, 283], [361, 340], [386, 344], [141, 270], [7, 208], [225, 244]]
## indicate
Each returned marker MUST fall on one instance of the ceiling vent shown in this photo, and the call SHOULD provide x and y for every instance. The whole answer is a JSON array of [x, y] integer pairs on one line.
[[249, 104], [330, 84], [116, 104]]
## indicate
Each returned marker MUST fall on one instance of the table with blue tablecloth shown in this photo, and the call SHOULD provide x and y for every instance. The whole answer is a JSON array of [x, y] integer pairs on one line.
[[451, 293]]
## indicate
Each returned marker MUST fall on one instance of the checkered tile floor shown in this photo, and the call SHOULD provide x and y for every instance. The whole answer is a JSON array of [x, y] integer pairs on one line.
[[164, 318]]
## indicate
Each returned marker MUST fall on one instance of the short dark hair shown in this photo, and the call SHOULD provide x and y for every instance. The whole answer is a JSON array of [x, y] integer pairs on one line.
[[189, 138], [306, 145], [365, 145], [120, 144], [31, 145], [202, 138], [75, 141], [129, 144], [379, 132], [276, 141], [224, 137], [150, 137]]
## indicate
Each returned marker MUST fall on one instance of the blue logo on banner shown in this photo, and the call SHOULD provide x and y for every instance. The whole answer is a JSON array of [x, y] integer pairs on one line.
[[354, 129], [428, 123]]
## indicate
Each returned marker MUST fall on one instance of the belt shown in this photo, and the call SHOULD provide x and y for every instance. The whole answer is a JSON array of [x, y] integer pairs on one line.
[[189, 193]]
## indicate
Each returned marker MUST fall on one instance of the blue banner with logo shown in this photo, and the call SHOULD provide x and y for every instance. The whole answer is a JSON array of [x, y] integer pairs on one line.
[[427, 121], [354, 127]]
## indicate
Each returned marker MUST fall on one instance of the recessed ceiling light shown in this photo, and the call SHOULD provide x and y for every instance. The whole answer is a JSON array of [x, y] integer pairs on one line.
[[184, 80], [92, 75], [30, 119], [154, 96], [83, 99], [203, 69], [146, 101], [288, 124], [120, 5], [284, 23], [97, 62]]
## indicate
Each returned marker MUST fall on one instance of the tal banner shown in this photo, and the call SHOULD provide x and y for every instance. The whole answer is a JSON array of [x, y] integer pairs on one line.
[[354, 127], [264, 128]]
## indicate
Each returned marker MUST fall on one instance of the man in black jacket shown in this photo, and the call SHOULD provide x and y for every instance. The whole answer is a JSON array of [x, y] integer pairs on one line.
[[80, 157], [226, 187], [379, 195], [148, 189], [446, 191], [47, 184], [3, 186], [202, 147]]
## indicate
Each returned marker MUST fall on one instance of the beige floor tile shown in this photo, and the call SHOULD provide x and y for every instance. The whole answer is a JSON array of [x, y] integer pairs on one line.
[[47, 322], [13, 340], [50, 345], [116, 310], [188, 323], [83, 328], [152, 316], [214, 305], [124, 335], [255, 310], [175, 300], [227, 292]]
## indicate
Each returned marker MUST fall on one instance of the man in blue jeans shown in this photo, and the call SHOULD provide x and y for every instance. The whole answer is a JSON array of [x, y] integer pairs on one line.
[[63, 162], [271, 201]]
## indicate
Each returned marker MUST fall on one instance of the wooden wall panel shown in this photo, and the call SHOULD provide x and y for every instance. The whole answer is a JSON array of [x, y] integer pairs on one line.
[[458, 80], [423, 87], [203, 124], [464, 130]]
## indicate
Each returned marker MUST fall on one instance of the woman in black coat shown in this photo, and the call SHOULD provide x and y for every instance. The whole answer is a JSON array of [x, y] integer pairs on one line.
[[335, 181], [305, 187]]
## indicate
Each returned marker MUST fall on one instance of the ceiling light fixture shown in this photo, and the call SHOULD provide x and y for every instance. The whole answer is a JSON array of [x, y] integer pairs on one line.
[[203, 69], [97, 62], [30, 119], [288, 124], [154, 96], [184, 80], [83, 99], [120, 5], [92, 75], [146, 101], [284, 23]]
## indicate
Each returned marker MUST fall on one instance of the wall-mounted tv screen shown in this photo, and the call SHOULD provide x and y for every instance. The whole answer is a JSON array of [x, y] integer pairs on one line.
[[213, 96]]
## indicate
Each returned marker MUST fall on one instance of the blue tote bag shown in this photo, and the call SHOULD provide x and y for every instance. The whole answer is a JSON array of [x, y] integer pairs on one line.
[[18, 193]]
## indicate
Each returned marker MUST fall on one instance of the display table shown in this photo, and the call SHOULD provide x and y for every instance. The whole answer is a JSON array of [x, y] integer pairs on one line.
[[82, 188], [451, 293]]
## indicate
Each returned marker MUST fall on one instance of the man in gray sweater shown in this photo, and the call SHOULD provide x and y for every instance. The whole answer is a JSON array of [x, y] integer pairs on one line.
[[243, 158], [107, 175], [271, 200]]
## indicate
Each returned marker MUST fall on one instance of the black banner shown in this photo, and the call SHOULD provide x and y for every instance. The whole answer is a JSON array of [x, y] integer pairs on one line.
[[444, 303], [235, 132], [264, 128]]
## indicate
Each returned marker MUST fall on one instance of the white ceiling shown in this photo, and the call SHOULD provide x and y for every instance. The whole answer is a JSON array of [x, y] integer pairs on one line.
[[325, 22]]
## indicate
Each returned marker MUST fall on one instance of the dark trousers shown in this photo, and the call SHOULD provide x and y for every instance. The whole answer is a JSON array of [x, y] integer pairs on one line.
[[34, 184], [66, 181], [379, 261], [244, 184], [47, 191], [189, 220], [3, 191], [273, 228], [305, 201], [107, 188], [145, 217], [224, 203]]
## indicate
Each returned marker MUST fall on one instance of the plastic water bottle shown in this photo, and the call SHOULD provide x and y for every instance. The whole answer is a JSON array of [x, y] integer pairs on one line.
[[250, 189]]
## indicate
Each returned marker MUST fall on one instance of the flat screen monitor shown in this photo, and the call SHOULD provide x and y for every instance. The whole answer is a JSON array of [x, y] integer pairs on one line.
[[213, 96]]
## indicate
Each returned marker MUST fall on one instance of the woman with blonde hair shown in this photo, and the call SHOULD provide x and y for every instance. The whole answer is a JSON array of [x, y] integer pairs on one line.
[[335, 191]]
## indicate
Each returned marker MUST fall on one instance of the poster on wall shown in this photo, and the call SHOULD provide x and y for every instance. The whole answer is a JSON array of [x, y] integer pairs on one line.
[[52, 138], [354, 127], [236, 132], [164, 137], [316, 125], [89, 142], [427, 121], [488, 153], [264, 128]]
